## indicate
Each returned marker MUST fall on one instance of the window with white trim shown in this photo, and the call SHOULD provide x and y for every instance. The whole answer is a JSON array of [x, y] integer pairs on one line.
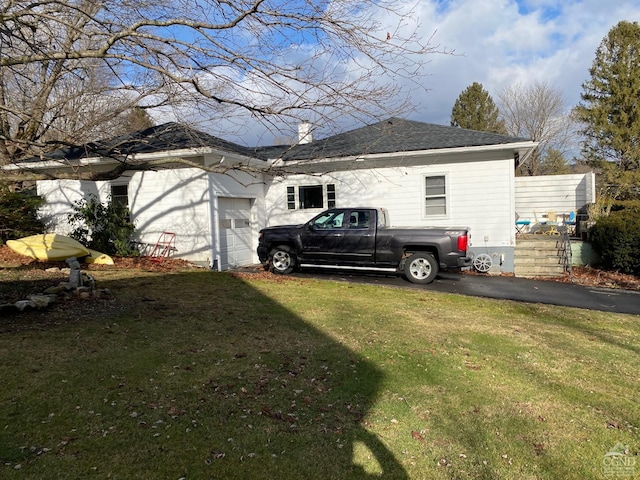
[[435, 195], [291, 198], [311, 196], [331, 195], [120, 194]]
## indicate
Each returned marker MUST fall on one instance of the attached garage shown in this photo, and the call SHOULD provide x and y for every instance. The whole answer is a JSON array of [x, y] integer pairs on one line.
[[236, 235]]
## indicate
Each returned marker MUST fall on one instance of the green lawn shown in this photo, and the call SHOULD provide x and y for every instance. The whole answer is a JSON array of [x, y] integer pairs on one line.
[[201, 375]]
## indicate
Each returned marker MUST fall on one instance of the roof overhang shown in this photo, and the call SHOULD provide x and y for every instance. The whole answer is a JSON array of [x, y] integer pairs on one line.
[[207, 158]]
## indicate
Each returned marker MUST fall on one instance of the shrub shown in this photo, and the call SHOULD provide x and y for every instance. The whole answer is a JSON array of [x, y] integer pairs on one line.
[[102, 227], [616, 238], [19, 214], [634, 205]]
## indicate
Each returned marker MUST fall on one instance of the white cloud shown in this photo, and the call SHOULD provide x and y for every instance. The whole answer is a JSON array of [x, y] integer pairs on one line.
[[506, 42]]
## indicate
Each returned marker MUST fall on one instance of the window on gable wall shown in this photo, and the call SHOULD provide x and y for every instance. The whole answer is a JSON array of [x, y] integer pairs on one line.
[[435, 195], [311, 196], [120, 194]]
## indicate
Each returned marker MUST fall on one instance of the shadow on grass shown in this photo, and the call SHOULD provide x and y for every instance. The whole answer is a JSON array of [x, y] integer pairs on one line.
[[193, 375], [17, 283]]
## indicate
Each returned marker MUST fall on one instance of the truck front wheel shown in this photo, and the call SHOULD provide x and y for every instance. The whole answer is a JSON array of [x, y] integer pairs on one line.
[[421, 268], [282, 260]]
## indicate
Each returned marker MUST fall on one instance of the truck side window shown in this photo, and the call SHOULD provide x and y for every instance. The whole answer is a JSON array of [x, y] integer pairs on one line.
[[359, 219]]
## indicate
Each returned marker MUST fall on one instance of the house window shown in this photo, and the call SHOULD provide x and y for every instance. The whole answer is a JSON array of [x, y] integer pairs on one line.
[[331, 196], [435, 195], [291, 198], [120, 194], [311, 196]]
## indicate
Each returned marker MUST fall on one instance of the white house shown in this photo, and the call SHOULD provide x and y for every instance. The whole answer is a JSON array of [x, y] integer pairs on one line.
[[424, 174]]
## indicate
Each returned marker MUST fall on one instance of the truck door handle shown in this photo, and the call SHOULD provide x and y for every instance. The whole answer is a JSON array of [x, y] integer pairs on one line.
[[338, 235]]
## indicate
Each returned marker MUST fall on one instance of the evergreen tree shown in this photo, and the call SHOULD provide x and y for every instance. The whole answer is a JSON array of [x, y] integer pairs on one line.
[[554, 163], [475, 110], [610, 110]]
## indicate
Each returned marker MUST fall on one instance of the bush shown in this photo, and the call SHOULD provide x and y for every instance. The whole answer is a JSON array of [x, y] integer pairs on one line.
[[616, 238], [19, 214], [620, 205], [102, 227]]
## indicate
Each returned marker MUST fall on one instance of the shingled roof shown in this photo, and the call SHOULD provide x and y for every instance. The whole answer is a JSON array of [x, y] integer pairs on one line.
[[388, 136], [160, 138]]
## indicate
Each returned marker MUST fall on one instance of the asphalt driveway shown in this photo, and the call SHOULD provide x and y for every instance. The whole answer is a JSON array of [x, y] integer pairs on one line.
[[506, 288]]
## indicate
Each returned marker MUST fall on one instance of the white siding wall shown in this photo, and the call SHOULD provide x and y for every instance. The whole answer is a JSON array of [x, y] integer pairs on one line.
[[172, 201], [60, 195], [480, 196], [183, 201], [537, 196]]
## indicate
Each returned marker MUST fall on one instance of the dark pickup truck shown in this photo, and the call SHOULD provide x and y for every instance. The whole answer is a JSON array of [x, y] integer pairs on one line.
[[359, 238]]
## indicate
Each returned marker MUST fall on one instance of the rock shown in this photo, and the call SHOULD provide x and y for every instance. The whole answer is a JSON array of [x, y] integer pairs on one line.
[[54, 290], [53, 298], [41, 301], [75, 275], [75, 279], [88, 280], [25, 305], [82, 292], [73, 263]]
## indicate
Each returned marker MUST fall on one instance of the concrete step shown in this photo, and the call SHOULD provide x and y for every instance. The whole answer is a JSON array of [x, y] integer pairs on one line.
[[537, 256], [544, 247], [539, 260]]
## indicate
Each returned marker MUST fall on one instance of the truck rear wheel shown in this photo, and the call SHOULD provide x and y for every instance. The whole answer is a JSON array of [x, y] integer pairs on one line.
[[282, 260], [421, 268]]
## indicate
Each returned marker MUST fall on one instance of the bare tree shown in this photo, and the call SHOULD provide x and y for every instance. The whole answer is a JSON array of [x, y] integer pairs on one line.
[[538, 112], [68, 68]]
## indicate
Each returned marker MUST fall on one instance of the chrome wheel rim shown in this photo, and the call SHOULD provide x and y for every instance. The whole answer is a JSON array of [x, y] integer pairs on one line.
[[420, 268], [281, 260]]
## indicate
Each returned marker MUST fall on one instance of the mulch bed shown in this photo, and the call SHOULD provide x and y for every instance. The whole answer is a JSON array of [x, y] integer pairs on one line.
[[587, 276], [10, 259]]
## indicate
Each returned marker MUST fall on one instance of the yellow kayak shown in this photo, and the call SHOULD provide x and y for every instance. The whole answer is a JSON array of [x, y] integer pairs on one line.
[[49, 246], [98, 258]]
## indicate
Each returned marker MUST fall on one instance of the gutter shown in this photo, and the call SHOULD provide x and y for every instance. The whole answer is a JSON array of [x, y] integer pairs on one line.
[[133, 158], [528, 146]]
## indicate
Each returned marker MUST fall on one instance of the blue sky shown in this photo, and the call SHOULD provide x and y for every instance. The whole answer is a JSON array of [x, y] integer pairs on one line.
[[506, 42], [498, 43]]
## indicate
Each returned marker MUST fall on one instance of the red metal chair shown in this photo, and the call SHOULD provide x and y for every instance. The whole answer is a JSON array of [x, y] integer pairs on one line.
[[164, 247]]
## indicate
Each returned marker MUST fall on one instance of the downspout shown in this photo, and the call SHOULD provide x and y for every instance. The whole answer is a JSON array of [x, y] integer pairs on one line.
[[213, 225]]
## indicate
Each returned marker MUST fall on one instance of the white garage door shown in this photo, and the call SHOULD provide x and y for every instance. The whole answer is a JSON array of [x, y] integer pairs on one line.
[[236, 246]]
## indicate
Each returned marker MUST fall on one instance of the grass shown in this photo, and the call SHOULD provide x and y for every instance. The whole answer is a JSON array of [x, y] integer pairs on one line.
[[206, 375]]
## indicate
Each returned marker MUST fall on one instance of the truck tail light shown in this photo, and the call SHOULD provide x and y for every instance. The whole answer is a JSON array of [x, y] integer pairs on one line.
[[463, 242]]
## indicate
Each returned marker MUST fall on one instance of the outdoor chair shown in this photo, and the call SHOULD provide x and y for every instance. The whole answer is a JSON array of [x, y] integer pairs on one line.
[[570, 223], [521, 226]]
